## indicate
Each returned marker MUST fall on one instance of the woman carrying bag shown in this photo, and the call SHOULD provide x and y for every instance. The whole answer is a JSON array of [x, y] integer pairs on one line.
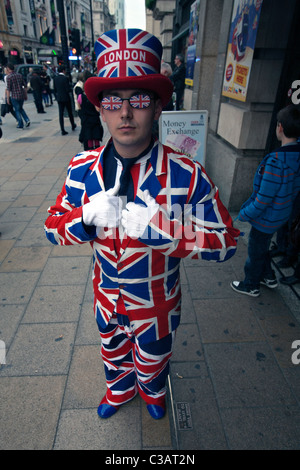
[[91, 128]]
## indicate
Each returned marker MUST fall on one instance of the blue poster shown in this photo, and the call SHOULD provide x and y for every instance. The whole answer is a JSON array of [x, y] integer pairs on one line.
[[191, 50]]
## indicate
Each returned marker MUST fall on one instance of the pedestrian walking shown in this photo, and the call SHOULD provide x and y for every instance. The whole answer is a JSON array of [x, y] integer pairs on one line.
[[166, 69], [62, 93], [6, 107], [142, 206], [178, 78], [15, 94], [77, 90], [2, 96], [91, 132], [37, 86], [46, 77], [276, 185], [74, 75]]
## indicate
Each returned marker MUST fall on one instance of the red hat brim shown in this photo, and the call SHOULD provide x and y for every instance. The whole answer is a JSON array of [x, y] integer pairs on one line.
[[157, 83]]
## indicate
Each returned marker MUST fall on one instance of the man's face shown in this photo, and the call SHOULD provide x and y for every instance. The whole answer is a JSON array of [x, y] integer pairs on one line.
[[129, 127]]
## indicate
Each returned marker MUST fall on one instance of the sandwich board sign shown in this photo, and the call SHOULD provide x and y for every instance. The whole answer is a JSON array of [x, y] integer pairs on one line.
[[185, 131]]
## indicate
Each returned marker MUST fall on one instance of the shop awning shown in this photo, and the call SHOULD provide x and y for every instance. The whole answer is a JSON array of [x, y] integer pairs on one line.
[[182, 33], [47, 52]]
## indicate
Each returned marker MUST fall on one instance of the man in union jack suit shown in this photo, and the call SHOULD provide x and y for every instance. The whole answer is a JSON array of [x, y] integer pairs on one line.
[[142, 206]]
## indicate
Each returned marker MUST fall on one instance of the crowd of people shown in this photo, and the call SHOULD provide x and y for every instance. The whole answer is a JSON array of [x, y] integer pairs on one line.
[[45, 87]]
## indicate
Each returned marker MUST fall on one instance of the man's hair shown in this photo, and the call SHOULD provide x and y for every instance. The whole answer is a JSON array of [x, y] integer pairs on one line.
[[289, 118], [180, 57], [10, 66], [86, 74], [61, 68], [167, 67]]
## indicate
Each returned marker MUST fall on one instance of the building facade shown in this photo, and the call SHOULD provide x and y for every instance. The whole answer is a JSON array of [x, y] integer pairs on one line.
[[117, 9], [30, 30], [240, 132]]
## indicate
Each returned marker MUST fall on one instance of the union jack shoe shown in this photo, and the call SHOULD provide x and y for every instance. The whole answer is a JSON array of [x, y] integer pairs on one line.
[[156, 411], [105, 410]]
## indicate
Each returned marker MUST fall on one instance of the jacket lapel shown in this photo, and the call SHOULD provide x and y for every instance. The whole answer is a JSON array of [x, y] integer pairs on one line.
[[150, 182], [96, 181]]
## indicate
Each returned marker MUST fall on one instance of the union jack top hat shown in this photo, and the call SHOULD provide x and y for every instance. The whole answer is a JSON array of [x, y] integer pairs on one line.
[[128, 58]]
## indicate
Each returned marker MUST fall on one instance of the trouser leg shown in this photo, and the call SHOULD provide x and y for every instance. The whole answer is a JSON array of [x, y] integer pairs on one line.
[[258, 263], [152, 362], [116, 353], [131, 367], [23, 113], [70, 112], [61, 107], [16, 106]]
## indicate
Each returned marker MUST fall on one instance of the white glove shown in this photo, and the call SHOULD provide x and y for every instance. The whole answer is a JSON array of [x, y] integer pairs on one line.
[[135, 218], [104, 210]]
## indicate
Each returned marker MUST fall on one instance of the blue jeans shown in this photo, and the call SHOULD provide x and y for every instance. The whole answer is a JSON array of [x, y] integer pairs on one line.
[[258, 263], [20, 113]]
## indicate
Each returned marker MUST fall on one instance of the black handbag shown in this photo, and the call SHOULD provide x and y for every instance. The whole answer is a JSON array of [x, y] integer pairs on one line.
[[4, 109]]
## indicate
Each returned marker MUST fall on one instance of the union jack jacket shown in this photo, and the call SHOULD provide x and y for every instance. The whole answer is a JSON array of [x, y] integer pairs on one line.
[[138, 279]]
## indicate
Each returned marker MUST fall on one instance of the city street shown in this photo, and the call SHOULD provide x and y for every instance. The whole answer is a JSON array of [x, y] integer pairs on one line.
[[235, 374]]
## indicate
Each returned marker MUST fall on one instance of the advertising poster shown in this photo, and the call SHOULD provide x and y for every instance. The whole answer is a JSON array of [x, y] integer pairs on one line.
[[242, 37], [185, 131], [192, 41]]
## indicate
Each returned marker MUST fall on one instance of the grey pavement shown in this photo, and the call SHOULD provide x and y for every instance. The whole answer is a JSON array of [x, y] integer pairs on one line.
[[232, 385]]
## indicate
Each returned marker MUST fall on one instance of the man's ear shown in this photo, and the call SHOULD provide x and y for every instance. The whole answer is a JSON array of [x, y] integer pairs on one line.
[[102, 113], [158, 109]]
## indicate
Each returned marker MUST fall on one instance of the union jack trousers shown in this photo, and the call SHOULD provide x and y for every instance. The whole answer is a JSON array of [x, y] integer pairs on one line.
[[131, 368], [138, 279]]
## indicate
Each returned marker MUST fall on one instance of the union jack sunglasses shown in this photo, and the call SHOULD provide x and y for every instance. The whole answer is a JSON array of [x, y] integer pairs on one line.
[[138, 101]]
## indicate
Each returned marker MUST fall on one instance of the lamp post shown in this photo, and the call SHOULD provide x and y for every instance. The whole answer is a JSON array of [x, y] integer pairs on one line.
[[63, 35], [92, 32]]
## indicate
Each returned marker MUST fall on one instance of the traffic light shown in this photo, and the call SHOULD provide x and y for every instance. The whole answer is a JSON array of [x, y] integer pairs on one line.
[[74, 41]]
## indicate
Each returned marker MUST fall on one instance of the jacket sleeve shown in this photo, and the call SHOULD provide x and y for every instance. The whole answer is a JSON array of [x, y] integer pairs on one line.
[[267, 186], [64, 226], [202, 229]]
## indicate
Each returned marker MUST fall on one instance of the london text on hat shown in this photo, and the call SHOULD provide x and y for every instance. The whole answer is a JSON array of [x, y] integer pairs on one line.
[[128, 58]]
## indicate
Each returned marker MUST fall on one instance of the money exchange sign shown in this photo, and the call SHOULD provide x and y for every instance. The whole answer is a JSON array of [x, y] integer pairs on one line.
[[185, 131]]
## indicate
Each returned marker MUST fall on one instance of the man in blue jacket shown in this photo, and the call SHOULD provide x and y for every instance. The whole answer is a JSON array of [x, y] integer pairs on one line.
[[276, 185]]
